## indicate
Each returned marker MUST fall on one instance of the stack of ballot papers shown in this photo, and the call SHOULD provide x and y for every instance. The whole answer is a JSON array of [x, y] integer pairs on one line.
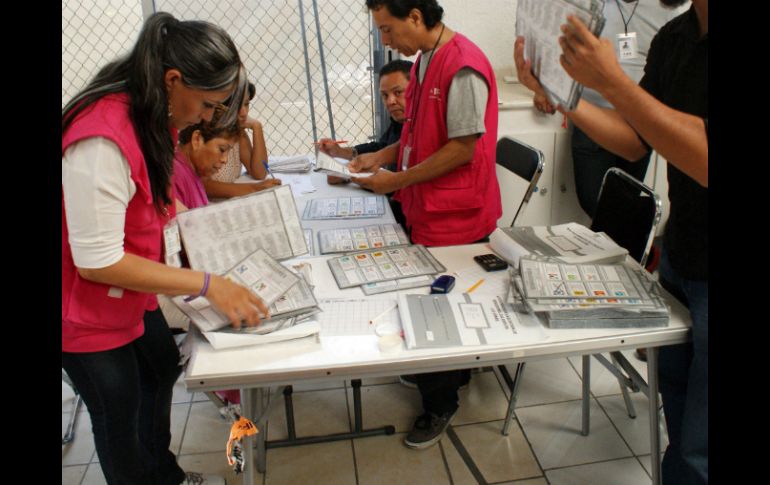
[[298, 163], [597, 295], [332, 166], [288, 295], [539, 22], [565, 243]]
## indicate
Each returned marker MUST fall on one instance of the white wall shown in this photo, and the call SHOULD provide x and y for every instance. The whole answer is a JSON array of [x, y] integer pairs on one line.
[[490, 24]]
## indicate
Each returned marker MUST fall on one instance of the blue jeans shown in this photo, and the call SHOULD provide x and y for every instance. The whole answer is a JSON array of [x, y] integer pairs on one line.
[[591, 162], [128, 394], [683, 374]]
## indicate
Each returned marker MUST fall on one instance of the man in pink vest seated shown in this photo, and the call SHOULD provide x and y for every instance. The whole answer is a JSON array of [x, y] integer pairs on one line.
[[445, 177]]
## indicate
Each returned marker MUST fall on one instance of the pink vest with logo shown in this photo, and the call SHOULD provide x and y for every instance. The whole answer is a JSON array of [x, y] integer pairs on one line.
[[463, 205], [95, 316]]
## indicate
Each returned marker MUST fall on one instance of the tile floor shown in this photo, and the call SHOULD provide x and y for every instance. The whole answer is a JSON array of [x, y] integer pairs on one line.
[[543, 447]]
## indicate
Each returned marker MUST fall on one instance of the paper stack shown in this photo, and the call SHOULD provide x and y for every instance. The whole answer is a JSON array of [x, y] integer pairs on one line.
[[588, 295], [289, 297], [539, 22], [299, 163], [565, 243]]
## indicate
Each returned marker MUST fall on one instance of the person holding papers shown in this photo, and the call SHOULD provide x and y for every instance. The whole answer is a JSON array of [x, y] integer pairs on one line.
[[118, 137], [249, 153], [394, 78], [668, 112], [635, 22], [203, 149], [445, 178]]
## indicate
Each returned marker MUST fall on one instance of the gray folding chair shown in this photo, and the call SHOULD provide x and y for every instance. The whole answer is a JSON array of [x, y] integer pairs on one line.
[[523, 161], [628, 211]]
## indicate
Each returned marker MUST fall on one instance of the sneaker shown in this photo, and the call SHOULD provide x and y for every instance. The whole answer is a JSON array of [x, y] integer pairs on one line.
[[192, 478], [428, 430], [410, 381]]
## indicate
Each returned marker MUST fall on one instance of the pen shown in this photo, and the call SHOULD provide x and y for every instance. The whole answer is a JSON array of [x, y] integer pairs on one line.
[[337, 142], [382, 314], [264, 163], [476, 285]]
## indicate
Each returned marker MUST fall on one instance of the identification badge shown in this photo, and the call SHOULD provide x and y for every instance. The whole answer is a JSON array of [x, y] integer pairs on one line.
[[405, 160], [627, 46]]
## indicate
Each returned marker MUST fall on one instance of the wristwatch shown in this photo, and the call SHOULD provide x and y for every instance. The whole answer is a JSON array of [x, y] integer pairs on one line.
[[354, 153]]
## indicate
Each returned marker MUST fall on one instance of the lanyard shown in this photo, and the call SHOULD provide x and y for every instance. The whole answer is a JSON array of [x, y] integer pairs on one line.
[[625, 23], [416, 104]]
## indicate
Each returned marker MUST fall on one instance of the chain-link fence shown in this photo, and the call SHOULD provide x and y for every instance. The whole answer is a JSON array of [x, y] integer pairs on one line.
[[309, 59]]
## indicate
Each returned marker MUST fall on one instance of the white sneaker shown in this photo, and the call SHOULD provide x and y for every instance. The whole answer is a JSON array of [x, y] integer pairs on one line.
[[193, 478]]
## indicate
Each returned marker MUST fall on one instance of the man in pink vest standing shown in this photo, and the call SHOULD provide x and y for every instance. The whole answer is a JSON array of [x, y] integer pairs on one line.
[[445, 177]]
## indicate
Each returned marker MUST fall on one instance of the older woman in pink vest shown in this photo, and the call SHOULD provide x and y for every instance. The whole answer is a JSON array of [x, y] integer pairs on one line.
[[445, 180], [118, 138]]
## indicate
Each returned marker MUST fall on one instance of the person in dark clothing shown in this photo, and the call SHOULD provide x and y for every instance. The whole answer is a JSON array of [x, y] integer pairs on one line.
[[394, 77], [668, 112]]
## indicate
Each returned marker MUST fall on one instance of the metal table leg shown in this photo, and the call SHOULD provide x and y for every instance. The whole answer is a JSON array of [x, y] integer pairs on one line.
[[652, 382]]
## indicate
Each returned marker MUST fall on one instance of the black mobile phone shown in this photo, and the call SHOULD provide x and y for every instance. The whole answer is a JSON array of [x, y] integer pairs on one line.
[[490, 262]]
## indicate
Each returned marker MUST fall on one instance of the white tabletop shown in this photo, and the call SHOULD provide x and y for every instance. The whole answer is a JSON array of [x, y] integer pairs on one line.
[[346, 357]]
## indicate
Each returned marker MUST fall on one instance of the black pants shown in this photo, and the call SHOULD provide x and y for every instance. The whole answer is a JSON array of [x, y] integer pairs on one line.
[[591, 162], [439, 389], [128, 394]]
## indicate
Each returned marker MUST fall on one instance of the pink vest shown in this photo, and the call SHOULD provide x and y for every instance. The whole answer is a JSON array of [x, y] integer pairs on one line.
[[463, 205], [96, 317]]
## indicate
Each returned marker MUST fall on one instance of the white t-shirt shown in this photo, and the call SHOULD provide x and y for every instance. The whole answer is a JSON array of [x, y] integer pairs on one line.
[[97, 186]]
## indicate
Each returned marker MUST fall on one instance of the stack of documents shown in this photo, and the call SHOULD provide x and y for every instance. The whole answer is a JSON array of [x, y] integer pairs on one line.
[[345, 207], [289, 297], [332, 166], [298, 163], [539, 22], [589, 295], [218, 236], [565, 243], [358, 238], [381, 265]]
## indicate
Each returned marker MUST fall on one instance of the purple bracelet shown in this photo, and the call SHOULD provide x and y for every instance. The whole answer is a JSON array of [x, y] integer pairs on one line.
[[206, 280]]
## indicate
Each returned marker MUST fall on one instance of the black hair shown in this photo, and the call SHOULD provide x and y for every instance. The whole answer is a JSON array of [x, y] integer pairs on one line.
[[396, 66], [208, 61], [431, 10], [211, 129]]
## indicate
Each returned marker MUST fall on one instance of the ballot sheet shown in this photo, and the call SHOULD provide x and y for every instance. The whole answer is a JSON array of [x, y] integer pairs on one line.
[[217, 236]]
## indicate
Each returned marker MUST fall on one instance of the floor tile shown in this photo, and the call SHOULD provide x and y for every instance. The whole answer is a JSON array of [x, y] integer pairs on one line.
[[388, 404], [373, 381], [212, 463], [179, 414], [180, 393], [319, 464], [616, 472], [315, 413], [554, 432], [80, 450], [384, 460], [94, 475], [635, 431], [603, 382], [546, 382], [72, 475], [533, 481], [483, 400], [647, 462], [498, 458], [206, 430]]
